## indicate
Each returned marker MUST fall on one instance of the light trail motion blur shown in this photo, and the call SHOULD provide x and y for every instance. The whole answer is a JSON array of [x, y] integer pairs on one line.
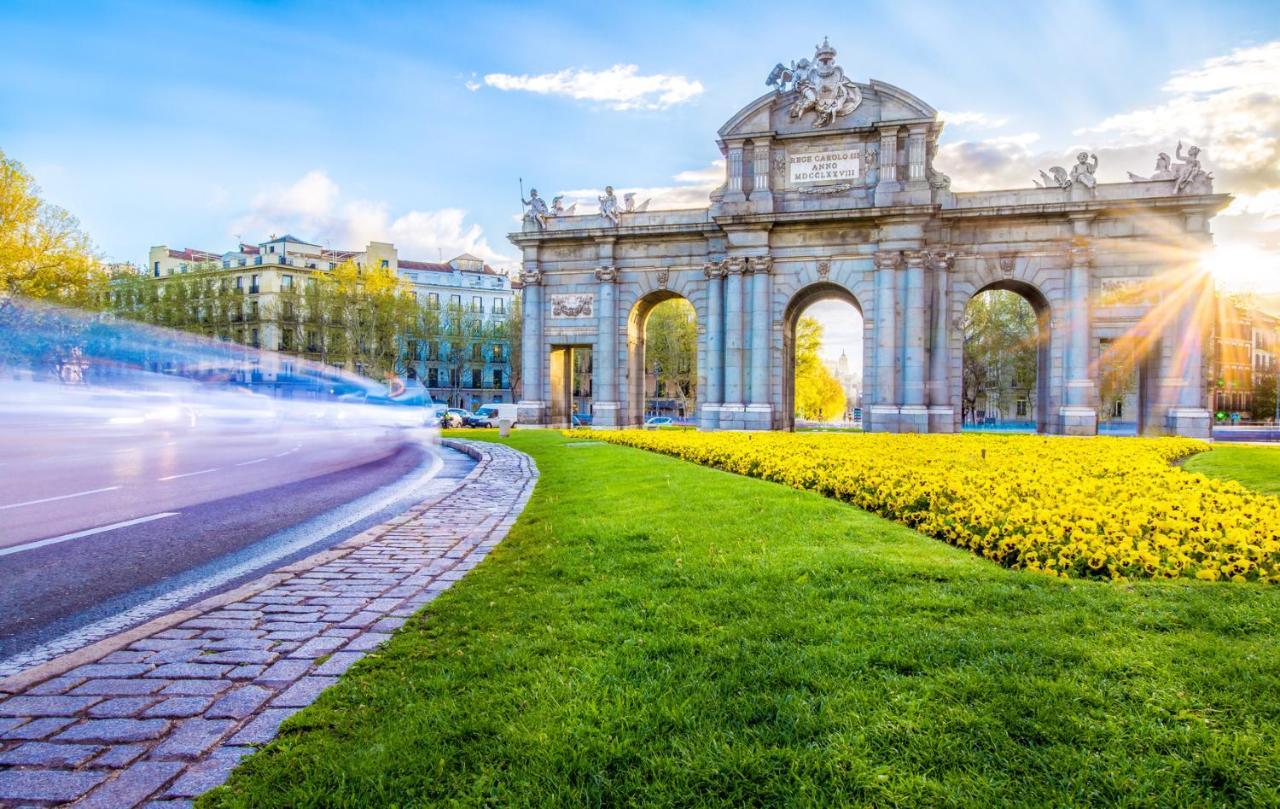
[[131, 455]]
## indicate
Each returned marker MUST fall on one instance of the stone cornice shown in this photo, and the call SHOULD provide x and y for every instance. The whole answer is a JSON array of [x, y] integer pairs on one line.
[[888, 259]]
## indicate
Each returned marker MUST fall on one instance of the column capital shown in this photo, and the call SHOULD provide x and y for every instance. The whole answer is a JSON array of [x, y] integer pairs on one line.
[[607, 274], [941, 259], [713, 269], [531, 277], [916, 259], [1080, 252], [736, 265], [760, 264], [888, 259]]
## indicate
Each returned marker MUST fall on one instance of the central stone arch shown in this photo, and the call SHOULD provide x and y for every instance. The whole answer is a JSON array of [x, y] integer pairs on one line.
[[1040, 305], [801, 300], [637, 319]]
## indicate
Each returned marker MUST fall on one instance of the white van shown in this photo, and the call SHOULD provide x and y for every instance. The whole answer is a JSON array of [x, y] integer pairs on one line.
[[489, 415]]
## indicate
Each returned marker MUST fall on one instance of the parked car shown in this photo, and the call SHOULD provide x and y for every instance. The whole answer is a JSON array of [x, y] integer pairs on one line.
[[659, 421], [488, 415]]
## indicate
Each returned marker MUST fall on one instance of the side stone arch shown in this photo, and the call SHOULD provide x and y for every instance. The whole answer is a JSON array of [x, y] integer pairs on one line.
[[1038, 279], [641, 291]]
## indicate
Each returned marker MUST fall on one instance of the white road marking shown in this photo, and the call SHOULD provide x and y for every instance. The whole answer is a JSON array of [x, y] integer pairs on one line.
[[286, 452], [189, 474], [249, 463], [40, 543], [59, 497]]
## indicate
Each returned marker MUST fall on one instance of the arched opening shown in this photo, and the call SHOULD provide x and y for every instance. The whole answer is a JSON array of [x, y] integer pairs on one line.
[[662, 359], [1005, 370], [823, 339]]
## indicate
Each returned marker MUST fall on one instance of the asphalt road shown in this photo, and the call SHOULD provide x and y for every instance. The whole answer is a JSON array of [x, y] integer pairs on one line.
[[94, 522]]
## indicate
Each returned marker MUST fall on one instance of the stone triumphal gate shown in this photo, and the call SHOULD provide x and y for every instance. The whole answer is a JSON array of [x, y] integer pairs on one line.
[[831, 192]]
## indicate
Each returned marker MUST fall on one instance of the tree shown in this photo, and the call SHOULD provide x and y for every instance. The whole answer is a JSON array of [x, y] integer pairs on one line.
[[1264, 396], [670, 347], [819, 396], [43, 252], [360, 317], [513, 332]]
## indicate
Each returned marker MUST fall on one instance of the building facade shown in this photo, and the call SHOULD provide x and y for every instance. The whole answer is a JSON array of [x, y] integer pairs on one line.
[[830, 192], [1246, 348], [464, 356]]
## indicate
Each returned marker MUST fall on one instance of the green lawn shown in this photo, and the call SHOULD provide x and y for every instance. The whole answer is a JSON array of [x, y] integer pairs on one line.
[[1254, 466], [655, 633]]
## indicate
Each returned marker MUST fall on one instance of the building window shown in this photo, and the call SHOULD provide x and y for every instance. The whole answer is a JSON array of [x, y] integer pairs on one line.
[[455, 301], [311, 284], [411, 348], [476, 354], [385, 264], [1117, 409], [286, 282], [455, 376], [253, 284], [497, 377], [254, 339], [1021, 408], [240, 283], [477, 305], [433, 377], [242, 262], [312, 343], [432, 350], [477, 379], [433, 300], [499, 306], [499, 352]]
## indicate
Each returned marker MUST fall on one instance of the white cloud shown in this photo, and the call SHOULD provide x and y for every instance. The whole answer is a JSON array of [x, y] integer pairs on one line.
[[621, 87], [312, 208], [976, 120]]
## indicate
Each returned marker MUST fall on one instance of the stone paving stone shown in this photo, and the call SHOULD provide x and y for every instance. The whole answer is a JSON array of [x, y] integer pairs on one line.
[[239, 703], [120, 707], [58, 685], [195, 688], [114, 730], [323, 620], [284, 671], [118, 756], [23, 705], [193, 737], [209, 773], [338, 663], [178, 804], [318, 647], [263, 727], [37, 728], [303, 692], [46, 754], [47, 785], [367, 641], [132, 786], [183, 671], [115, 688], [178, 707]]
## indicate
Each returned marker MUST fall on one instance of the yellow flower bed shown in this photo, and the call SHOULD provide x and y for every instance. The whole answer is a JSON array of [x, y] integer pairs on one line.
[[1113, 507]]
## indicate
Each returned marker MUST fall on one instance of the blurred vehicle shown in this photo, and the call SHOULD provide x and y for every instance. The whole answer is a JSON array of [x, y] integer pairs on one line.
[[659, 421], [455, 417]]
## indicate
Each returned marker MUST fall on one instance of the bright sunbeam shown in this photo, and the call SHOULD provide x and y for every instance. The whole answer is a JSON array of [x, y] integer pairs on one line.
[[1243, 268]]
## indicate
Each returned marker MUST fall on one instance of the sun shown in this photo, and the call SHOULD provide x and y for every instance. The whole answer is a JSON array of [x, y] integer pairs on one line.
[[1243, 268]]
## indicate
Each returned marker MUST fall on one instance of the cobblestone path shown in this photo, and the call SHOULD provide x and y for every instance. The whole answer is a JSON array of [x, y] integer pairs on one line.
[[163, 713]]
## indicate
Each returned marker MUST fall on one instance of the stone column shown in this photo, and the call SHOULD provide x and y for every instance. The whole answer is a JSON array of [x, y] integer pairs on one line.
[[759, 412], [714, 342], [1188, 415], [1078, 416], [605, 407], [734, 404], [887, 184], [733, 189], [914, 416], [884, 407], [761, 194], [941, 412], [916, 154], [532, 406]]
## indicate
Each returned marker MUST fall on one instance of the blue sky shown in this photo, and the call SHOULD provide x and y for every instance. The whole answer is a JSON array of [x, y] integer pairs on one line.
[[187, 123]]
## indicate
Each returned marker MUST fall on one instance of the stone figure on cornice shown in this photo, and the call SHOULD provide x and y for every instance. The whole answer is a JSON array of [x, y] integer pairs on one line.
[[821, 86], [1188, 172], [1163, 172], [1057, 177], [609, 205], [1083, 171], [558, 209], [537, 213]]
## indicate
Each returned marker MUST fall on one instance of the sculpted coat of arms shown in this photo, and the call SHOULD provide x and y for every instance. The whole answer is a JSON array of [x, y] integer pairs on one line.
[[821, 86]]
